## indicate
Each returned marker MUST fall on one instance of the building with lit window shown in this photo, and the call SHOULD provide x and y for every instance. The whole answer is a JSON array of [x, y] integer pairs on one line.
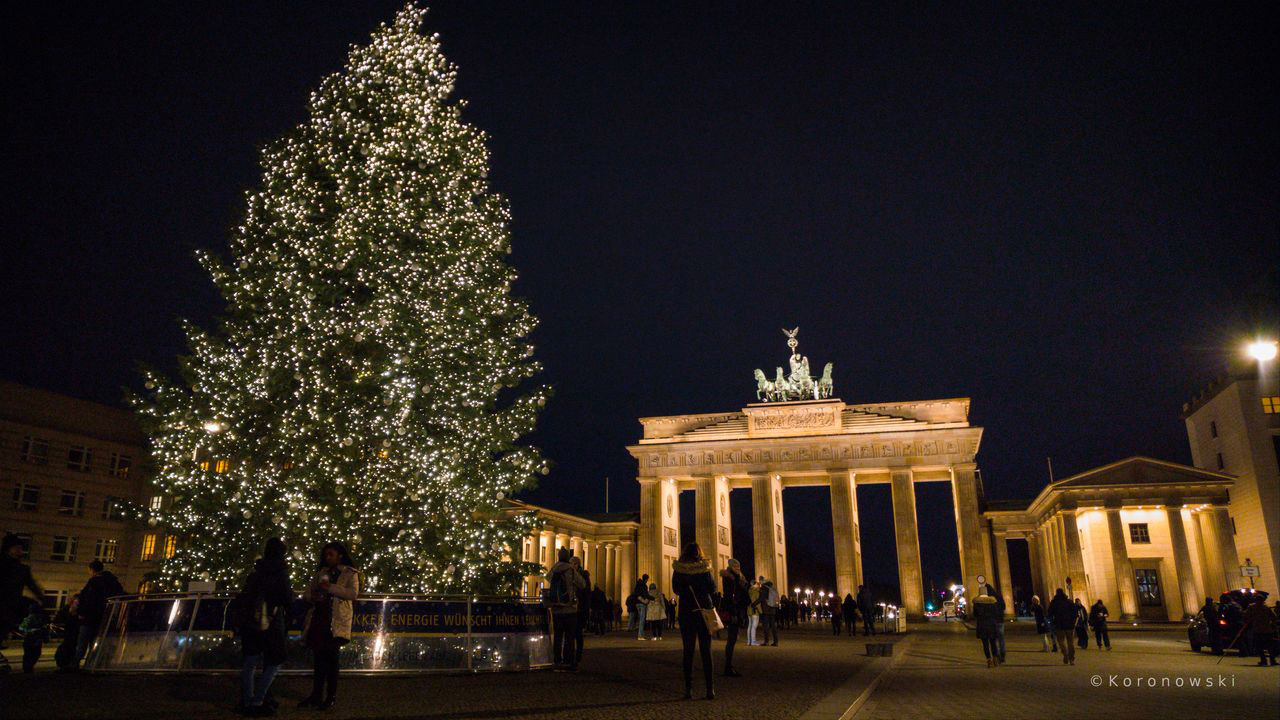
[[66, 465], [1234, 427], [606, 543]]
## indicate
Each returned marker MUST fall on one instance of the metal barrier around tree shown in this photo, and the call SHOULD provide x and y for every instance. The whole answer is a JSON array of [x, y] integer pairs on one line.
[[186, 632]]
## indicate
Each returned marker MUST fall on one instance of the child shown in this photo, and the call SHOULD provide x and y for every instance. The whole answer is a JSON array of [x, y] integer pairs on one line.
[[35, 630]]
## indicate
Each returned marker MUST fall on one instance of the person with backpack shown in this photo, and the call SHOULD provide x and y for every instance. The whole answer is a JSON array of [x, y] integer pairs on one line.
[[693, 583], [655, 616], [262, 624], [563, 583], [93, 604], [769, 612], [327, 626]]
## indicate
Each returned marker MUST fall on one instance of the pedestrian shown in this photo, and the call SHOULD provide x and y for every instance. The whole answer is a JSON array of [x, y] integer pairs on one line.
[[563, 582], [1212, 622], [733, 609], [693, 583], [327, 626], [866, 609], [837, 613], [655, 616], [102, 584], [263, 626], [849, 610], [987, 616], [639, 596], [1262, 622], [14, 578], [1063, 614], [1098, 621], [599, 611], [66, 618], [35, 630], [753, 612], [584, 609], [769, 612], [1082, 624], [999, 619], [1042, 625]]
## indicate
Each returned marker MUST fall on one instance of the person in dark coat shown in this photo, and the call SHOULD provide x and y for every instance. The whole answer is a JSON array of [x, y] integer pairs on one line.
[[1212, 621], [14, 578], [68, 619], [987, 616], [692, 582], [733, 610], [1063, 614], [267, 590], [837, 613], [1098, 621], [35, 630], [93, 604], [584, 608], [1082, 624], [849, 609], [1042, 624], [866, 608]]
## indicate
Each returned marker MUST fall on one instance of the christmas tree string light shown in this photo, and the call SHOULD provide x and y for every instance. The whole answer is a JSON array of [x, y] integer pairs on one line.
[[370, 380]]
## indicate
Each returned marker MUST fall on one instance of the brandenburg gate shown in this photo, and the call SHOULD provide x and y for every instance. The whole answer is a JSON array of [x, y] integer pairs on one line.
[[799, 436]]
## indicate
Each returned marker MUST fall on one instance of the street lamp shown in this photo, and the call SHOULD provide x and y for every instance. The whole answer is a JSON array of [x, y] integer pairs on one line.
[[1262, 350]]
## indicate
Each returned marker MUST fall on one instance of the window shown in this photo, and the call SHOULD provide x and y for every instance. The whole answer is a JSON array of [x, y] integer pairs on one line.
[[157, 502], [64, 549], [1271, 404], [120, 465], [25, 496], [112, 508], [35, 450], [148, 546], [1221, 464], [79, 458], [1139, 534], [1148, 587], [56, 599], [72, 503], [144, 587], [1213, 429], [24, 539], [105, 550], [221, 466], [170, 546]]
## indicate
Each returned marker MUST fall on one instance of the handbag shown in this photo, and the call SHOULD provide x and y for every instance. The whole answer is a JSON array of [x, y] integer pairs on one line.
[[710, 617]]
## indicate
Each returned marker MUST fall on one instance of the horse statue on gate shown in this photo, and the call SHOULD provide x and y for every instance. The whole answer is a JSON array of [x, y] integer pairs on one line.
[[826, 385], [800, 384], [764, 389]]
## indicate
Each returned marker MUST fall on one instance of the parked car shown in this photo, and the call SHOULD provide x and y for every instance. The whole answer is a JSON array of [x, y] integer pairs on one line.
[[1231, 618]]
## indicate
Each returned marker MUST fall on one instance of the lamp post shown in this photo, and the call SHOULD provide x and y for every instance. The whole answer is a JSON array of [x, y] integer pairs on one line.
[[1262, 350]]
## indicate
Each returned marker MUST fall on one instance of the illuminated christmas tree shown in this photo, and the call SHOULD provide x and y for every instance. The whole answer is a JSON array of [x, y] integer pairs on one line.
[[369, 382]]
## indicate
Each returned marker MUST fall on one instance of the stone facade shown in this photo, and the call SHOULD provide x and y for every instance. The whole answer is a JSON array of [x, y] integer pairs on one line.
[[606, 544]]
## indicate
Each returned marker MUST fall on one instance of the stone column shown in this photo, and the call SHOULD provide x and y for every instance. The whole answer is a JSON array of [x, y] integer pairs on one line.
[[844, 522], [1227, 556], [910, 581], [547, 550], [1126, 588], [964, 496], [1006, 582], [626, 570], [712, 509], [1214, 582], [770, 533], [1182, 561], [649, 558], [606, 570], [575, 547], [1037, 583], [1075, 557]]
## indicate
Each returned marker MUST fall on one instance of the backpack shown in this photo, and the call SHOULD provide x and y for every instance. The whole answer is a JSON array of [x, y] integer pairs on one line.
[[557, 593], [248, 611]]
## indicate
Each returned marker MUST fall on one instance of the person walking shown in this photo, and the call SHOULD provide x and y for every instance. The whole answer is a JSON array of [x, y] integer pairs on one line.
[[733, 609], [833, 606], [987, 616], [753, 612], [1042, 625], [1082, 624], [584, 609], [327, 626], [693, 583], [1063, 614], [35, 630], [1262, 622], [849, 610], [991, 591], [563, 583], [1098, 621], [14, 578], [769, 612], [866, 608], [655, 616], [263, 626], [1212, 619], [102, 584]]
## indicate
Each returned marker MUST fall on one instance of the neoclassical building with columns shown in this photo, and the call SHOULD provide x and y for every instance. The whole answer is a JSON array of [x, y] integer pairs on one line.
[[772, 446], [606, 543]]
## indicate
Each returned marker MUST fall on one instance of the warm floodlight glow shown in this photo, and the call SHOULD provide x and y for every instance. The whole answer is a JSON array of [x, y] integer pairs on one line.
[[1262, 350], [212, 426]]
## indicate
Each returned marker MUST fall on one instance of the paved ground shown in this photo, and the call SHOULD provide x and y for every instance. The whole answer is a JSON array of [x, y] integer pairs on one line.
[[943, 674], [620, 678]]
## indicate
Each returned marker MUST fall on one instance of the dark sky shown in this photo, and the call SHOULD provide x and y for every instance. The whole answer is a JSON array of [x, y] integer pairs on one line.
[[1066, 214]]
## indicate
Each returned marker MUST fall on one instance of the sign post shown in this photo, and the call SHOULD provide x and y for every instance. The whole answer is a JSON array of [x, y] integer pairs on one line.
[[1251, 571]]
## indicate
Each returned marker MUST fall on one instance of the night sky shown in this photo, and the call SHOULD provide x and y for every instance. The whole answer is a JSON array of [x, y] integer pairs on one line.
[[1068, 215]]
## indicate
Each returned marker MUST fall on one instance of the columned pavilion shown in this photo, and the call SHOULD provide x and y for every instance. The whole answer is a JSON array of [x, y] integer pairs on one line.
[[772, 446]]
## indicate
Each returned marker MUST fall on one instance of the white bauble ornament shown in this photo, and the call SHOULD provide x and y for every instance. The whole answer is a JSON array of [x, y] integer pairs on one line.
[[501, 494], [152, 522], [247, 514]]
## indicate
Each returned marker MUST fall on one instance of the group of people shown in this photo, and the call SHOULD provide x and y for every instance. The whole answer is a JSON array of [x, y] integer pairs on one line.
[[1257, 622], [845, 613], [80, 619], [1065, 624]]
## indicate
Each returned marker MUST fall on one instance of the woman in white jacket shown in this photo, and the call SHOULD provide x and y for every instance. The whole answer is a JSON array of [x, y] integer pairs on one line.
[[655, 613]]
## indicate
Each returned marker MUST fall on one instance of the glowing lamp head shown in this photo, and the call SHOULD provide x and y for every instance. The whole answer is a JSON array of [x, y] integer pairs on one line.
[[1262, 350], [212, 427]]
